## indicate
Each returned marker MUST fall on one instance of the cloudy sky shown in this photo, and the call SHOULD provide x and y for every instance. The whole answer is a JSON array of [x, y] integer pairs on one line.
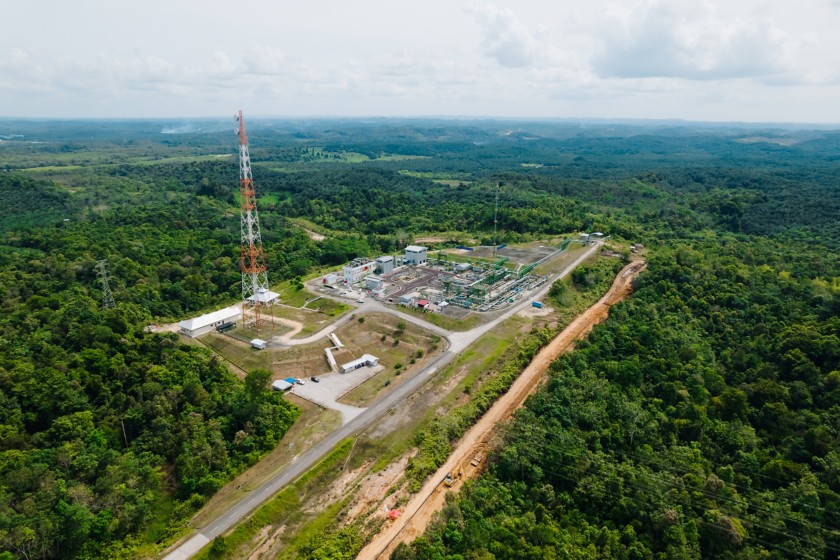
[[718, 60]]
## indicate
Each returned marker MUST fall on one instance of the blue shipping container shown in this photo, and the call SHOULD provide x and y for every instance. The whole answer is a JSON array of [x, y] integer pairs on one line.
[[537, 304]]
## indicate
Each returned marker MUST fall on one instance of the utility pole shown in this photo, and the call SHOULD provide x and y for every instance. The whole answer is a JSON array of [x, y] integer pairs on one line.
[[252, 257], [102, 273]]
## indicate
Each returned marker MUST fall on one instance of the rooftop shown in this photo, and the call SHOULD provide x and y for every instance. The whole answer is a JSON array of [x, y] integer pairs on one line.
[[281, 385], [415, 249], [365, 359], [264, 296], [210, 318]]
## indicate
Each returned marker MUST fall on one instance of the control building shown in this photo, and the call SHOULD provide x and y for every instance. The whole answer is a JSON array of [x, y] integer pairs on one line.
[[415, 254], [385, 265]]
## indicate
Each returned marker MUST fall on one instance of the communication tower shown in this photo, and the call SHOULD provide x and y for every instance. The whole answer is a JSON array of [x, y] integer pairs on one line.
[[252, 258], [102, 273]]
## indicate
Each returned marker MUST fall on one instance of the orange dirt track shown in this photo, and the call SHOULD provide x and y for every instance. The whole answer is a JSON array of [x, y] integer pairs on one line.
[[419, 512]]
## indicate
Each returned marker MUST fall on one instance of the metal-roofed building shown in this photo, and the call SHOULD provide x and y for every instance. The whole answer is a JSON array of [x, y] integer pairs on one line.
[[366, 360], [202, 324], [281, 385]]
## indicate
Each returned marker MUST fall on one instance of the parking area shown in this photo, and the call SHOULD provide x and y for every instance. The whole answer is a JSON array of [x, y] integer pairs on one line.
[[332, 386]]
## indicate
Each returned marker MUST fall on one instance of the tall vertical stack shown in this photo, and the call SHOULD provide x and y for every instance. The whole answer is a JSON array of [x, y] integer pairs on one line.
[[252, 258]]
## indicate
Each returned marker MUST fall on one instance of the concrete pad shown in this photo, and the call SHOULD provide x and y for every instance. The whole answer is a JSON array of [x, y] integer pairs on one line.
[[332, 387], [189, 548]]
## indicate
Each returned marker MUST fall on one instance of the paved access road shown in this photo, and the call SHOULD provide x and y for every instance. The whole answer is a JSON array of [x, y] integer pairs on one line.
[[457, 343]]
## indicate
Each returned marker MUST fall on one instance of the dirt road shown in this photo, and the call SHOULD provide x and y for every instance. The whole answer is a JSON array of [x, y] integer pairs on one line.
[[421, 508]]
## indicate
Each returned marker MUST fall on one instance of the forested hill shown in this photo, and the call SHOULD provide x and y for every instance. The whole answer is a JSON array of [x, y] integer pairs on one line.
[[700, 421], [29, 203], [724, 364]]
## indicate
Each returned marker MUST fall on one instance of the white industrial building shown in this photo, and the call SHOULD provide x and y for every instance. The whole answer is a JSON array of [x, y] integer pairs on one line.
[[264, 296], [415, 254], [202, 324], [357, 270], [330, 279], [385, 264], [366, 360], [374, 283]]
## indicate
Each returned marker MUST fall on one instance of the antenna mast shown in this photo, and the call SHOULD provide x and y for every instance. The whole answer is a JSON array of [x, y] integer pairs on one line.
[[252, 258], [102, 273]]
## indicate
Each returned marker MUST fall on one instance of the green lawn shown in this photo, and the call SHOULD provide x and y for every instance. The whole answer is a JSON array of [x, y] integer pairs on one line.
[[240, 354]]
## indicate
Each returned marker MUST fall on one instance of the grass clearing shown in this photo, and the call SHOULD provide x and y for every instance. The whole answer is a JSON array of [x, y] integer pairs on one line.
[[311, 530], [143, 160], [317, 315], [456, 178], [268, 198], [449, 323], [415, 347], [558, 263], [399, 157], [479, 359], [239, 353], [283, 509], [450, 388]]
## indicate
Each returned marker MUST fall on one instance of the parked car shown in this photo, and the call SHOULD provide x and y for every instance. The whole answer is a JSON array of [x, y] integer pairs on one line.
[[299, 381], [315, 379]]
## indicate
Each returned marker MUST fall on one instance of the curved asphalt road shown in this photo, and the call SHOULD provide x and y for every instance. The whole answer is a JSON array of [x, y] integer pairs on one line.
[[457, 342]]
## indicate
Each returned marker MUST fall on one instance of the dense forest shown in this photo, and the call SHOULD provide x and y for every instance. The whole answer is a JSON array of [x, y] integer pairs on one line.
[[700, 421]]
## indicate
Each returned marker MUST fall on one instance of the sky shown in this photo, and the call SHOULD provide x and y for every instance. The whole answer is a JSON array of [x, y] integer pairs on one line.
[[706, 60]]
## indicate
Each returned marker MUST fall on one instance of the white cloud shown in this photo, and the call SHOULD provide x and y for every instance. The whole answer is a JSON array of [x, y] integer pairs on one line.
[[264, 59], [505, 38], [688, 39], [222, 64], [689, 58]]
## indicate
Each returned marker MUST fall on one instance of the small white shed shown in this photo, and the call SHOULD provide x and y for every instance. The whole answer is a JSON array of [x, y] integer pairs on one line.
[[258, 343]]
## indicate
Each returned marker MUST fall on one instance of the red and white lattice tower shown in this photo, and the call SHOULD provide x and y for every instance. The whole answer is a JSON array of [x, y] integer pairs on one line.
[[252, 258]]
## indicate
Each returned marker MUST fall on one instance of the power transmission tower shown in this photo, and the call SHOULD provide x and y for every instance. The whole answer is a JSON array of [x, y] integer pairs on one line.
[[252, 257], [496, 219], [102, 273]]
